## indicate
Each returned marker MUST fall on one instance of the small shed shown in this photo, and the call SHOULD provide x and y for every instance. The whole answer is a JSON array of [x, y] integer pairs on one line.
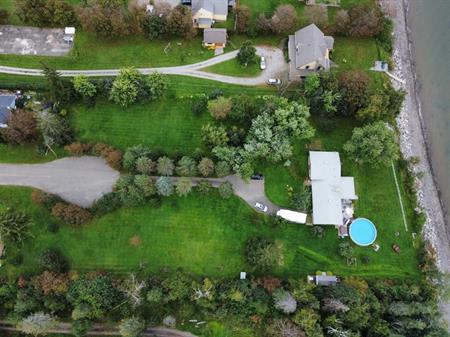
[[243, 275], [215, 38], [323, 279]]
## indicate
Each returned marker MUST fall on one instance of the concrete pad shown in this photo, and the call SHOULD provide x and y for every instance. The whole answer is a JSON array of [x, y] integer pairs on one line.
[[33, 41]]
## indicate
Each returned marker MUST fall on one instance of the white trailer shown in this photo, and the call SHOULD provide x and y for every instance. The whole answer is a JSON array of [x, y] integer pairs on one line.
[[292, 216]]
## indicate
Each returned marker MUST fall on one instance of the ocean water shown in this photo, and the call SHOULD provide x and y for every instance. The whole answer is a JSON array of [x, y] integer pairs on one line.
[[430, 32]]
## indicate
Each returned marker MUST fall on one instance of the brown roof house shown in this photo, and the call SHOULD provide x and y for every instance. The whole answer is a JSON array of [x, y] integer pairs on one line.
[[206, 12], [309, 51], [214, 38]]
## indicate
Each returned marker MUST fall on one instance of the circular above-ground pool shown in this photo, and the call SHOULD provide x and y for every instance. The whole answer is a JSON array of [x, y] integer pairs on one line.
[[363, 232]]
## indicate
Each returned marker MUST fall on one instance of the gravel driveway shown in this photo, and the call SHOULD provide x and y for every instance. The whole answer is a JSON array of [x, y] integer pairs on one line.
[[276, 68], [80, 181]]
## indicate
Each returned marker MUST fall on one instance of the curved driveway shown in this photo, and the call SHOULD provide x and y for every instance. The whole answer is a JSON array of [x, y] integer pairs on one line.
[[82, 180], [276, 66]]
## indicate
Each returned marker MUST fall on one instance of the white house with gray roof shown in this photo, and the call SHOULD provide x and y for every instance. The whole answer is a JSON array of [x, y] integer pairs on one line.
[[206, 12], [329, 189], [309, 52]]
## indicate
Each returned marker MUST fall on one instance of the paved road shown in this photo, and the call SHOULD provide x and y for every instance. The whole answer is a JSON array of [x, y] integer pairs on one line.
[[276, 67], [78, 180]]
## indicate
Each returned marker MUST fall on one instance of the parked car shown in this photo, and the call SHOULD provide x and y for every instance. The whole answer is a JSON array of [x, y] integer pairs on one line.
[[262, 63], [257, 176], [261, 207], [274, 81]]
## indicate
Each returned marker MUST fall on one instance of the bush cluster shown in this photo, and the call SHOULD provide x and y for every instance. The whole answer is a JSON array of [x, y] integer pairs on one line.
[[112, 156], [71, 214]]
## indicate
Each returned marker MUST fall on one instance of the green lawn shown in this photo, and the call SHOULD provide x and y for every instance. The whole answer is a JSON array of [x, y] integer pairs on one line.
[[24, 154], [233, 68]]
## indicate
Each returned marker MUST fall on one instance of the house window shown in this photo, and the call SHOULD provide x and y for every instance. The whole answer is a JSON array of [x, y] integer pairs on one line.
[[319, 68], [307, 67]]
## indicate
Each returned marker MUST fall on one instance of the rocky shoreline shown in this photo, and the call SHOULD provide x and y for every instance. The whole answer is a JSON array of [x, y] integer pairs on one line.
[[413, 136]]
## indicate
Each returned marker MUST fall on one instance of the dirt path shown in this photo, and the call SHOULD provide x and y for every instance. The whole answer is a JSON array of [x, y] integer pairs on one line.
[[276, 67]]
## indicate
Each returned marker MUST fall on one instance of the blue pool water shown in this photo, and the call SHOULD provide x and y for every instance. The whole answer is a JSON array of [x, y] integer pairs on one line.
[[363, 232]]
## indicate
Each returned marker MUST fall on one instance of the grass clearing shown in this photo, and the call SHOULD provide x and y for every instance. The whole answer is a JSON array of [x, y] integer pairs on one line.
[[233, 68]]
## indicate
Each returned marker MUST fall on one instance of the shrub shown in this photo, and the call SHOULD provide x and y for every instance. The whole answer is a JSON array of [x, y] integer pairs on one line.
[[53, 227], [220, 107], [199, 103], [354, 86], [213, 135], [15, 259], [71, 214], [246, 54], [183, 186], [385, 38], [14, 226], [22, 128], [49, 13], [131, 327], [284, 301], [318, 231], [78, 149], [216, 93], [145, 184], [45, 199], [186, 167], [4, 14], [132, 154], [114, 159], [37, 324], [128, 192], [302, 200], [365, 21], [80, 327], [52, 259], [226, 190], [206, 167], [155, 295], [165, 166], [164, 186], [106, 204]]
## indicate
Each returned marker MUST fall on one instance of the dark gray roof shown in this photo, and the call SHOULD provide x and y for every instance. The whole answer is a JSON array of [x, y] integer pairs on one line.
[[7, 103], [326, 280], [215, 35], [311, 45]]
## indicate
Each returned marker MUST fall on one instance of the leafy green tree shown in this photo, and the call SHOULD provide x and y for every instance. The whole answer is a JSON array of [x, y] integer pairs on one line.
[[199, 104], [155, 26], [346, 251], [145, 184], [246, 54], [129, 193], [220, 107], [306, 319], [145, 165], [213, 135], [57, 90], [54, 129], [204, 187], [125, 87], [96, 291], [222, 169], [164, 186], [177, 287], [84, 87], [14, 226], [206, 167], [51, 259], [374, 144], [131, 327], [155, 295], [45, 13], [354, 86], [165, 166], [186, 167], [80, 327], [183, 186], [155, 85], [226, 190], [244, 108], [132, 154], [37, 324], [262, 253]]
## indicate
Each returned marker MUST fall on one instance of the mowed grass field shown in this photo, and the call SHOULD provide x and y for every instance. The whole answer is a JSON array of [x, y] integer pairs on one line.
[[233, 68]]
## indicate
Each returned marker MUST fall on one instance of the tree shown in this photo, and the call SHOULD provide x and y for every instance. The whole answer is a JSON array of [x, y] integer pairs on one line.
[[199, 104], [22, 128], [365, 21], [155, 295], [179, 22], [354, 87], [129, 193], [58, 92], [51, 283], [306, 319], [124, 90], [284, 301], [317, 15], [155, 85], [262, 253], [264, 25], [246, 54], [45, 13], [183, 186], [14, 226], [155, 26], [4, 15], [243, 19], [213, 135], [226, 190], [284, 328], [54, 129], [80, 327], [37, 324], [186, 167], [222, 169], [165, 166], [177, 287], [145, 184], [244, 108], [220, 107], [51, 259], [145, 165], [204, 187], [96, 292], [284, 19], [84, 87], [132, 154], [164, 186], [341, 22], [346, 251], [374, 144], [206, 167], [131, 327]]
